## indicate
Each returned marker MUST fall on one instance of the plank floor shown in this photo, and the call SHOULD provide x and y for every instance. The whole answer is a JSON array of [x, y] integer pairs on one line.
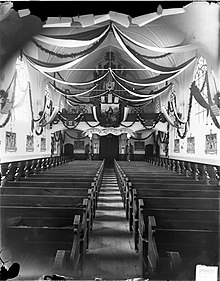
[[111, 254]]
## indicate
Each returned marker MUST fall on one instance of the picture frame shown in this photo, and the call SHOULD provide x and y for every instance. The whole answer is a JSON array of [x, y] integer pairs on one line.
[[191, 145], [176, 145], [211, 144], [10, 142], [43, 144], [29, 143]]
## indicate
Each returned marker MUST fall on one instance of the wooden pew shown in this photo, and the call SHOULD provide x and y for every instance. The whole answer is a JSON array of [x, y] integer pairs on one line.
[[161, 245], [55, 199], [182, 208], [47, 241], [171, 187], [49, 217], [50, 201], [135, 194], [171, 203]]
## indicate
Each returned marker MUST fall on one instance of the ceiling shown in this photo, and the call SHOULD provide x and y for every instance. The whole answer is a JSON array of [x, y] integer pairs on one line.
[[160, 29]]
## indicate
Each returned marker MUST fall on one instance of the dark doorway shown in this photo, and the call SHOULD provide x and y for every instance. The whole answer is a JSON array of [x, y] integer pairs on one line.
[[109, 148], [68, 149], [149, 150]]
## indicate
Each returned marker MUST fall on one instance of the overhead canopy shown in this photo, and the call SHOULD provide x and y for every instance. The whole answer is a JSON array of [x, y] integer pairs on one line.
[[142, 55]]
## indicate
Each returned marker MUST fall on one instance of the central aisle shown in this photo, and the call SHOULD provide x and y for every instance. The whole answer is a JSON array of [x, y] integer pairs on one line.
[[111, 252]]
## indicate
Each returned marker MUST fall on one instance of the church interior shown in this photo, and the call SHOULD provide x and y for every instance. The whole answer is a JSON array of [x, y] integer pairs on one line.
[[109, 140]]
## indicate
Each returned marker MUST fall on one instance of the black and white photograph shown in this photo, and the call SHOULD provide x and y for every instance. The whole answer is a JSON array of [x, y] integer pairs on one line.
[[109, 140]]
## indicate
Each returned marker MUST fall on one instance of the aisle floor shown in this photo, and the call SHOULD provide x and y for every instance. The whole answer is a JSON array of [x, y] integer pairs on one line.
[[111, 254]]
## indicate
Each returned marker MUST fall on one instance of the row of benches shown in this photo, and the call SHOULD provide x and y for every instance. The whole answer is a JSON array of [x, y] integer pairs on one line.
[[210, 174], [50, 214], [174, 219], [22, 169]]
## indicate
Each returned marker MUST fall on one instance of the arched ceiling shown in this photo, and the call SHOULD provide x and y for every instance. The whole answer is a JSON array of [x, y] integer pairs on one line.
[[164, 38]]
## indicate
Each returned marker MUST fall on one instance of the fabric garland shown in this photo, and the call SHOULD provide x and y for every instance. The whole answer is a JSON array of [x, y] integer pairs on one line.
[[6, 120], [71, 86], [94, 113], [142, 121], [144, 97], [174, 49], [146, 63], [39, 133], [167, 117], [127, 126], [182, 136], [161, 78], [214, 119], [51, 118], [9, 103], [59, 137], [53, 67], [173, 102], [74, 40], [91, 126], [76, 83], [72, 55], [65, 132], [68, 93], [140, 139], [164, 139], [131, 101]]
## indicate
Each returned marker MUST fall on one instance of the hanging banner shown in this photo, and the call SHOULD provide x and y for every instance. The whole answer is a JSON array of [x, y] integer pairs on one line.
[[106, 131]]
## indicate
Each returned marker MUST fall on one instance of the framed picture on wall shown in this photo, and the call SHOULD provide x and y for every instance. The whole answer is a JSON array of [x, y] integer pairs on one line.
[[211, 144], [79, 145], [30, 143], [191, 145], [10, 142], [43, 144], [139, 145], [177, 145]]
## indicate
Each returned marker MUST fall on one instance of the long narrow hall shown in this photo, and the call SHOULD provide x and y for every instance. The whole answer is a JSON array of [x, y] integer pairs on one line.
[[111, 253]]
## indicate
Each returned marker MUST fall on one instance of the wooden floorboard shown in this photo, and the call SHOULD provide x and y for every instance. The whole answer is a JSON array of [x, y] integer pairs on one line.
[[111, 254]]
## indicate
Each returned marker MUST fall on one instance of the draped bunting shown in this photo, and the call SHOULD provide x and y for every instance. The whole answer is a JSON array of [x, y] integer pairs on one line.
[[131, 100], [72, 55], [75, 83], [126, 109], [138, 104], [94, 113], [74, 40], [51, 118], [174, 49], [167, 117], [65, 132], [68, 93], [91, 126], [214, 119], [197, 95], [161, 78], [128, 126], [53, 67], [145, 96], [175, 112], [106, 131], [144, 122], [146, 63], [143, 138], [9, 99], [76, 102]]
